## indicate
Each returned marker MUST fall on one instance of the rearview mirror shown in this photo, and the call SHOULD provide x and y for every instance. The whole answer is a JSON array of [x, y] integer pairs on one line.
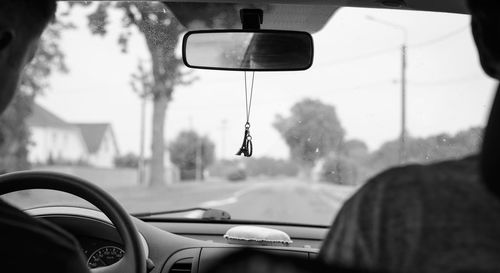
[[244, 50]]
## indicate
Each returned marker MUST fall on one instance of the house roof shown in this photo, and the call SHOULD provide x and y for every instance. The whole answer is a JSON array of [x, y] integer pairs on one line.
[[44, 118], [93, 134]]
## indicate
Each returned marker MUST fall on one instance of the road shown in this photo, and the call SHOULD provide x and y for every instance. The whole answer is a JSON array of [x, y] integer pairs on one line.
[[274, 200]]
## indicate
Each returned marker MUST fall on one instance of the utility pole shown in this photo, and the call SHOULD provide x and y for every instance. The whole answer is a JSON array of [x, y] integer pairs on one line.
[[142, 163], [402, 144], [403, 136], [223, 130], [198, 160]]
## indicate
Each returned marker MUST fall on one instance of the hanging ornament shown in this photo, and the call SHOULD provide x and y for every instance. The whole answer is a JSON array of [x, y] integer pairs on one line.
[[247, 146]]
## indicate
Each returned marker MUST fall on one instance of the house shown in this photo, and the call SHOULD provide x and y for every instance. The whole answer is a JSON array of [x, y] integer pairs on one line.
[[55, 141], [100, 142]]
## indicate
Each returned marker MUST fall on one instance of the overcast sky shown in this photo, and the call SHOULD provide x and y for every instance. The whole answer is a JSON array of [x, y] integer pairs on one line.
[[447, 90]]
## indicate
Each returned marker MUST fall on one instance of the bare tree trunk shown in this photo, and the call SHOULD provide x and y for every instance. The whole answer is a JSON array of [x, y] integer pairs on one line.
[[157, 167]]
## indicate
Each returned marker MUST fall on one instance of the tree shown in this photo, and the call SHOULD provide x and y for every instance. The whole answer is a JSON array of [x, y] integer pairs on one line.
[[430, 149], [192, 154], [161, 32], [312, 131], [355, 149], [347, 167], [14, 133], [340, 170], [157, 22], [129, 160]]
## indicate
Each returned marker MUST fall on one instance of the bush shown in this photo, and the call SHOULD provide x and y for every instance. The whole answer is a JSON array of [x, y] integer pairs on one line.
[[129, 160], [222, 168], [340, 171], [187, 174], [187, 149], [270, 167], [237, 175]]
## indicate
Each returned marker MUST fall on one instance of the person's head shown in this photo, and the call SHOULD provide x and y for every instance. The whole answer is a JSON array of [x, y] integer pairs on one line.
[[21, 25], [485, 24]]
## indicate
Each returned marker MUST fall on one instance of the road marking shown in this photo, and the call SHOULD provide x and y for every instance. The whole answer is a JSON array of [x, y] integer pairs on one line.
[[218, 203]]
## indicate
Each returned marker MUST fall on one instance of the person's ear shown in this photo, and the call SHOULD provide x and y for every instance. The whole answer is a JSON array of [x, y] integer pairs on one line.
[[6, 38]]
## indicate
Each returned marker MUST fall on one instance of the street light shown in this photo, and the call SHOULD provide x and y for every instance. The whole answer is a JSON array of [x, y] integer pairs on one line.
[[402, 141]]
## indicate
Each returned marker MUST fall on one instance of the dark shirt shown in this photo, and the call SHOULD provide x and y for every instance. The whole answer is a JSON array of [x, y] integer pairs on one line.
[[31, 245], [426, 219]]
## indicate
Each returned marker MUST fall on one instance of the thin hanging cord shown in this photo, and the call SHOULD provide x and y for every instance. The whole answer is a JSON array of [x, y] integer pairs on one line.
[[247, 146], [248, 104]]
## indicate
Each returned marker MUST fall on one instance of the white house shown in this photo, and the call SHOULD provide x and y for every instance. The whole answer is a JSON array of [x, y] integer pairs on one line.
[[55, 141], [100, 142]]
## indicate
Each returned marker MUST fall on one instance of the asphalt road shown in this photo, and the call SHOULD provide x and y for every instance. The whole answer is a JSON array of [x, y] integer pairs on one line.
[[283, 202], [272, 200]]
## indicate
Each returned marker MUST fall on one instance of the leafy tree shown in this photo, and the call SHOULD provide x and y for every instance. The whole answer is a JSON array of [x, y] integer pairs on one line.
[[347, 167], [355, 149], [312, 131], [429, 149], [340, 170], [191, 152], [157, 22], [14, 133], [161, 31]]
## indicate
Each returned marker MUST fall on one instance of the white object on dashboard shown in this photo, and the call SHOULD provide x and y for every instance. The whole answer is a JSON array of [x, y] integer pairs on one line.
[[252, 235]]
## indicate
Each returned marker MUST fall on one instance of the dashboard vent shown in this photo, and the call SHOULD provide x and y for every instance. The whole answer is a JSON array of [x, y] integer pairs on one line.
[[182, 266]]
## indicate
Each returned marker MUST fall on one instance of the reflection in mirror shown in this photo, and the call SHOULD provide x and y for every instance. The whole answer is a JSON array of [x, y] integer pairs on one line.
[[248, 51]]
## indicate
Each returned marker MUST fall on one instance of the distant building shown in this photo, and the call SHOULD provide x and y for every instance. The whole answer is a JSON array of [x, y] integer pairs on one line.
[[55, 141], [100, 142]]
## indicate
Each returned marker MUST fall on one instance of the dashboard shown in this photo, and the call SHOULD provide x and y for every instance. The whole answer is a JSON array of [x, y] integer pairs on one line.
[[172, 246]]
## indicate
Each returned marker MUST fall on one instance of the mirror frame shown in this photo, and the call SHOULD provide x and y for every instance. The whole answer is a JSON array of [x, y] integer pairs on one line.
[[189, 33]]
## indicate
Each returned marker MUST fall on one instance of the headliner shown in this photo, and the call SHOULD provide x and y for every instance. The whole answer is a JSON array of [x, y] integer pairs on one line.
[[306, 15]]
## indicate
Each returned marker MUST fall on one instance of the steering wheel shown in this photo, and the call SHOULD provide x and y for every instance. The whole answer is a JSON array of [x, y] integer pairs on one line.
[[134, 260]]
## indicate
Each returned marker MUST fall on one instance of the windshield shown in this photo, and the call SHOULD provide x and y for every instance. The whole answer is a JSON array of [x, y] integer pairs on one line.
[[109, 100]]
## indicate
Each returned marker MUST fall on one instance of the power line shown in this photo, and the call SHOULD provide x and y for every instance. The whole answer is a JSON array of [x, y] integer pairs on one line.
[[361, 56], [365, 86], [440, 38], [449, 81], [376, 53], [380, 52]]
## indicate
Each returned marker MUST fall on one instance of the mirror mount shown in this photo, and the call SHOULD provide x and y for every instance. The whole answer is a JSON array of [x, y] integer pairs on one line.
[[251, 19]]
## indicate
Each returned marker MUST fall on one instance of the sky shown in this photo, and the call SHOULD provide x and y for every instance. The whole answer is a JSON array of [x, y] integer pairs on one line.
[[357, 67]]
